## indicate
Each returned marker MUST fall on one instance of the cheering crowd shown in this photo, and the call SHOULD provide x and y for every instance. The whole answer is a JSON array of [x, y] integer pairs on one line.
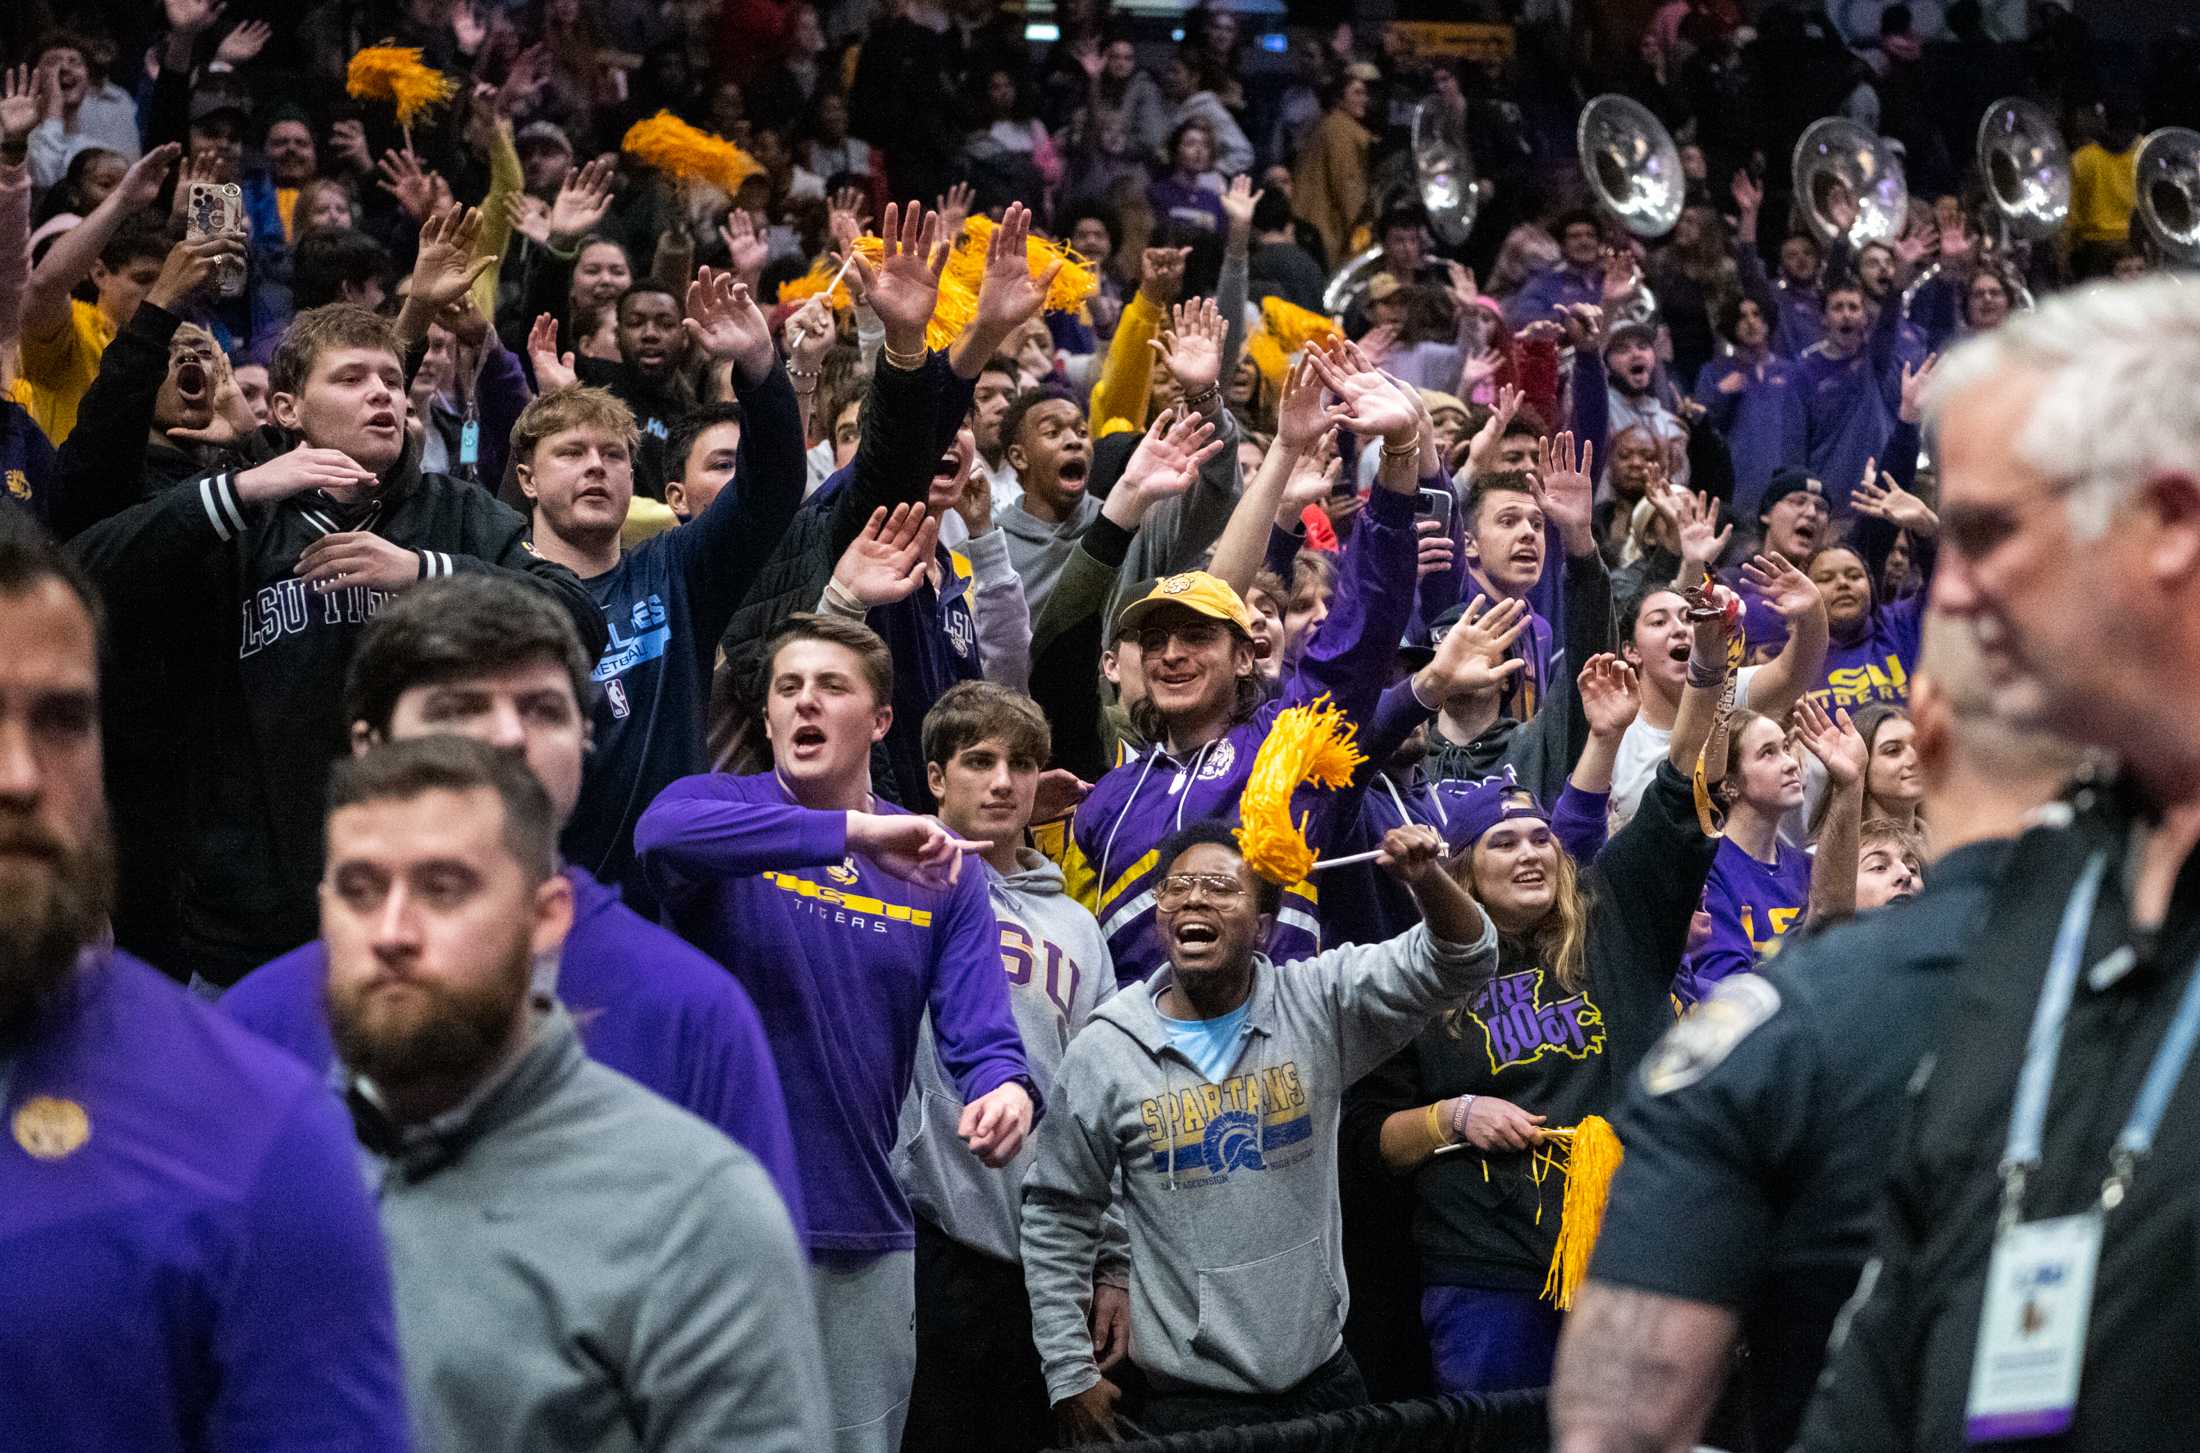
[[653, 799]]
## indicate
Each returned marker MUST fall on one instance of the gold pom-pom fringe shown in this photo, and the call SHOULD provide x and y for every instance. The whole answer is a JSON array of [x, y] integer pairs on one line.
[[677, 149], [1595, 1159], [395, 73], [1312, 744]]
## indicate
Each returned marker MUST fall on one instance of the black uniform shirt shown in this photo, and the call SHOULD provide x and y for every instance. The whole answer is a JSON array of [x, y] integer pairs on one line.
[[1902, 1375], [1759, 1131]]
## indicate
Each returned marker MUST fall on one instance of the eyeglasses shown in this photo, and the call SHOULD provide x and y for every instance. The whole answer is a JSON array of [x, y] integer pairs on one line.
[[1197, 635], [1174, 891]]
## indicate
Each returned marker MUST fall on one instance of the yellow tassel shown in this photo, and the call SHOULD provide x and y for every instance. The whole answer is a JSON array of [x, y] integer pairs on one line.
[[677, 149], [1269, 357], [1077, 281], [1589, 1170], [814, 282], [395, 73], [1293, 327], [1308, 744]]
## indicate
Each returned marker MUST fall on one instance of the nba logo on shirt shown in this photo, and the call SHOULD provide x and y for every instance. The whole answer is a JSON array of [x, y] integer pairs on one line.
[[614, 692]]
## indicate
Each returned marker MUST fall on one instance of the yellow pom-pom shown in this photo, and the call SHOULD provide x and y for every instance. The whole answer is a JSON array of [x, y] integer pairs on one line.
[[1269, 357], [1293, 327], [824, 274], [395, 73], [1310, 744], [1594, 1160], [677, 149], [1077, 281]]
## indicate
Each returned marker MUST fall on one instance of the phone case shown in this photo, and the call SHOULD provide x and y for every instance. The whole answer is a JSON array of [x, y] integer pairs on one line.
[[216, 209]]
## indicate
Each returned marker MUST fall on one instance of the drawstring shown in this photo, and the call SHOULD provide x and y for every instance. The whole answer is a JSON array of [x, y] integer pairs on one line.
[[1405, 818], [1191, 775]]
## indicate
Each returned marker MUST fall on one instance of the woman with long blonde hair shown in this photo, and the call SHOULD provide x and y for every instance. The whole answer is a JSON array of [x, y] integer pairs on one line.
[[1589, 943]]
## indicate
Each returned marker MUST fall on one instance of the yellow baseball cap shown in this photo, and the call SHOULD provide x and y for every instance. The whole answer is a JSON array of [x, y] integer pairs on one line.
[[1195, 591]]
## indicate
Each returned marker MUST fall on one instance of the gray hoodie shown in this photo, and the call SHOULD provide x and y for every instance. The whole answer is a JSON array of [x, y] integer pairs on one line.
[[1058, 972], [1175, 535], [1230, 1189]]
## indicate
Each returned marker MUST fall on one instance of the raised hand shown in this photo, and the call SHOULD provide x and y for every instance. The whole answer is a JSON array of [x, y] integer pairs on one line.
[[1621, 278], [141, 184], [1471, 659], [1833, 740], [1301, 422], [1008, 295], [1371, 405], [1482, 448], [20, 107], [190, 17], [1166, 462], [1914, 384], [1313, 479], [553, 370], [746, 248], [1583, 325], [1884, 499], [1786, 589], [405, 179], [1377, 342], [906, 284], [1566, 491], [724, 321], [1695, 522], [531, 71], [1411, 853], [1610, 696], [888, 560], [1459, 282], [1161, 274], [1238, 202], [1192, 350], [1749, 200], [1477, 368], [583, 199], [244, 43], [447, 263], [954, 210], [347, 143], [528, 216], [848, 214]]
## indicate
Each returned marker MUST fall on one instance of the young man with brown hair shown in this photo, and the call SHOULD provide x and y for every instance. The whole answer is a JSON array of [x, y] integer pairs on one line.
[[847, 920], [666, 601], [264, 576]]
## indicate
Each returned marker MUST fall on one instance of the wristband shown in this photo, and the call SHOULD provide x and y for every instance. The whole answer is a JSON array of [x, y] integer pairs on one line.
[[1459, 1116], [842, 599], [1436, 1125], [1704, 672], [1205, 396]]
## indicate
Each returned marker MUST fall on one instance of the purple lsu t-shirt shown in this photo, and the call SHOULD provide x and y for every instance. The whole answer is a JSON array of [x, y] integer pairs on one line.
[[1752, 906]]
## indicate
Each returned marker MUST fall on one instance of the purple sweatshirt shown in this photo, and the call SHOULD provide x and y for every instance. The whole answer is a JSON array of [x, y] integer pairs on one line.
[[190, 1258], [647, 1005], [843, 960], [1119, 828], [1752, 906]]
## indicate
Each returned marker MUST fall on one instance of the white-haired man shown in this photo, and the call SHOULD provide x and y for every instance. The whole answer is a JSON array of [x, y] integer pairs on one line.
[[2031, 1279]]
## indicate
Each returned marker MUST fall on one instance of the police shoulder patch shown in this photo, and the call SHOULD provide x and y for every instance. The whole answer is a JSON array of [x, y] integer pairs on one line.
[[1707, 1034]]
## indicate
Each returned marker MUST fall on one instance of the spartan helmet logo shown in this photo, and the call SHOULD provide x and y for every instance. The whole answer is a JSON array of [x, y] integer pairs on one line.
[[1232, 1143]]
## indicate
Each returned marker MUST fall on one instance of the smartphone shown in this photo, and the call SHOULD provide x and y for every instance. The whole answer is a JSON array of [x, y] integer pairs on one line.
[[216, 209], [1435, 504]]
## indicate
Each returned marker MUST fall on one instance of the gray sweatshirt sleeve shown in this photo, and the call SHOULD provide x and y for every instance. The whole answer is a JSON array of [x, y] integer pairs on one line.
[[1004, 619], [1067, 1197], [1383, 994], [1231, 291], [725, 1339], [1178, 533]]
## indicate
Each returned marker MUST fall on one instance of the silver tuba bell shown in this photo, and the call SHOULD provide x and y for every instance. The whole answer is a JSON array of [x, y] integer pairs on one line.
[[1349, 283], [1443, 172], [1632, 165], [1838, 159], [2027, 168], [2169, 191]]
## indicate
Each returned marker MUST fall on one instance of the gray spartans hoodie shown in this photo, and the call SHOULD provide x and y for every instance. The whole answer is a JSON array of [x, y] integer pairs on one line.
[[1058, 972], [1230, 1189]]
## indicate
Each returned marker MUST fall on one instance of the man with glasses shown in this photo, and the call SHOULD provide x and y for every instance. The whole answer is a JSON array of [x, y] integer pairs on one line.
[[1222, 1077], [2033, 1272], [1793, 517]]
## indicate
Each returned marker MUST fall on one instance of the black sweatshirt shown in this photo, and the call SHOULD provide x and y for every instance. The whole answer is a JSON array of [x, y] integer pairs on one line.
[[1552, 1052], [260, 662]]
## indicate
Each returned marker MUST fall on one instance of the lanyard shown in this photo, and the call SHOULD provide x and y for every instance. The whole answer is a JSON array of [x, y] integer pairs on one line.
[[2043, 1047]]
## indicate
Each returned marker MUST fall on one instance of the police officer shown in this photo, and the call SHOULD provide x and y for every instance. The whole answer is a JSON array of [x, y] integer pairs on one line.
[[2034, 1276], [1757, 1133]]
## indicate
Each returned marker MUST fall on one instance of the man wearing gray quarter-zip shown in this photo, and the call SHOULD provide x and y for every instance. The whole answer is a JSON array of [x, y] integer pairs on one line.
[[1213, 1090]]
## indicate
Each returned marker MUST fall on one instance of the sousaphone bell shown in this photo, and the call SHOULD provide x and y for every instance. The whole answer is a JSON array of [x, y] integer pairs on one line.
[[1443, 172], [1839, 162], [2169, 191], [2027, 168], [1634, 171]]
